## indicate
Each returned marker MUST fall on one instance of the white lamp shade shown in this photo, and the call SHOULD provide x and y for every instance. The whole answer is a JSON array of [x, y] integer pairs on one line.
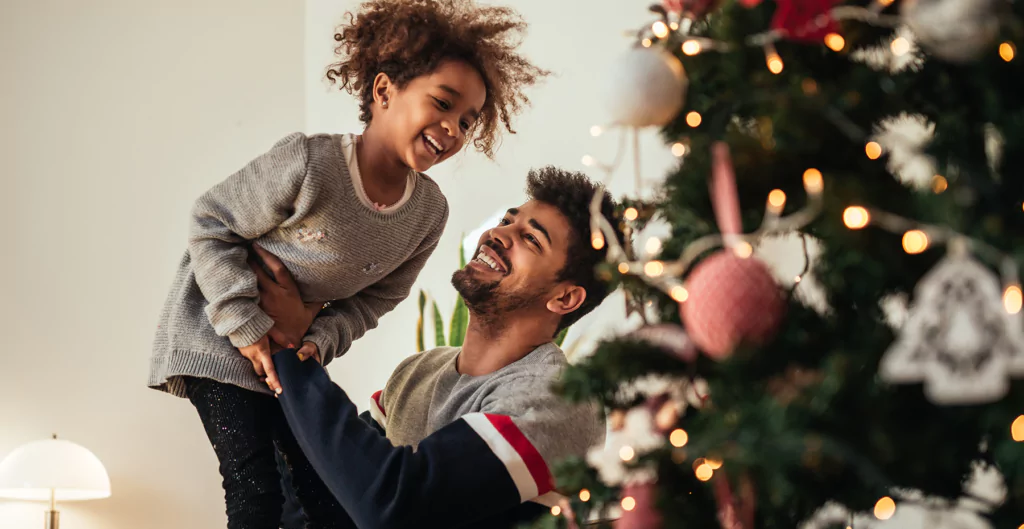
[[69, 469]]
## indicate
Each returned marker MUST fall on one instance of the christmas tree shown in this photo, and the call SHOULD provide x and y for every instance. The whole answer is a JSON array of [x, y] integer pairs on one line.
[[881, 141]]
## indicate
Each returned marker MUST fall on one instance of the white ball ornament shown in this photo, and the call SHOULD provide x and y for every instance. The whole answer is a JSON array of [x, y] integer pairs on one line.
[[954, 30], [646, 88]]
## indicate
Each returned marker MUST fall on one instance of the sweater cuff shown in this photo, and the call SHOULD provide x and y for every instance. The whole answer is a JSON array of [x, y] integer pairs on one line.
[[251, 331], [326, 342]]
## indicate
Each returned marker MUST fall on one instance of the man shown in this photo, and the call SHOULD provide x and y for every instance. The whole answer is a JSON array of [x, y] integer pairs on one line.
[[464, 437]]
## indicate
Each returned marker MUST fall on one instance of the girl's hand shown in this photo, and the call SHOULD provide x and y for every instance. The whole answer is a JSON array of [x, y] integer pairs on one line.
[[259, 354], [309, 350], [280, 299]]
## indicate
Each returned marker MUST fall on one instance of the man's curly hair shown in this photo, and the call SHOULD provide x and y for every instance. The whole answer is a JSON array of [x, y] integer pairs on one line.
[[409, 38], [571, 193]]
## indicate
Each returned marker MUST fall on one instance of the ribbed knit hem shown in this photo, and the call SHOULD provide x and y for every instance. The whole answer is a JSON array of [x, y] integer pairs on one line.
[[251, 331], [166, 370]]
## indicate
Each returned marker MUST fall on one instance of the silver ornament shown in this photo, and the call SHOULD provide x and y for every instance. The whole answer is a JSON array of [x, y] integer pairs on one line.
[[954, 30], [646, 87]]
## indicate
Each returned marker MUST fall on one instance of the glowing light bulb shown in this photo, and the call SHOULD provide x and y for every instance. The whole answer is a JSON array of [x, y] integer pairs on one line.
[[1012, 299], [1007, 51], [900, 46], [653, 245], [679, 149], [885, 508], [628, 503], [835, 41], [623, 268], [1017, 429], [646, 43], [654, 268], [693, 119], [797, 279], [597, 241], [584, 495], [660, 29], [813, 182], [939, 184], [691, 47], [715, 464], [777, 198], [884, 3], [915, 241], [774, 62], [556, 510], [631, 214], [679, 438], [856, 217], [680, 294], [873, 150], [596, 130], [587, 160], [743, 250], [704, 472], [674, 26]]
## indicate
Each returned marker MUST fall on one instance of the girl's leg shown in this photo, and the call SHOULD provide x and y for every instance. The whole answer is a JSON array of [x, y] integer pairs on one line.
[[240, 425]]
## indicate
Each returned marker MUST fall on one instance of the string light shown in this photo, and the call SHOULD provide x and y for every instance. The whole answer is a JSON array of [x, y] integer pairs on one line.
[[835, 41], [1007, 51], [873, 150], [915, 241], [774, 62], [626, 453], [777, 199], [809, 86], [654, 268], [797, 279], [596, 130], [704, 472], [659, 29], [587, 160], [679, 149], [884, 3], [556, 510], [653, 245], [939, 184], [715, 464], [1017, 429], [900, 46], [647, 43], [856, 217], [679, 294], [691, 47], [674, 26], [743, 250], [623, 268], [813, 182], [631, 214], [679, 438], [885, 508], [1012, 299], [628, 503], [597, 241], [584, 495], [693, 119]]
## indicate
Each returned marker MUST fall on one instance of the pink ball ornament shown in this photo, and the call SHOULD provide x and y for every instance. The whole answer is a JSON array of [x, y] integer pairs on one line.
[[732, 300]]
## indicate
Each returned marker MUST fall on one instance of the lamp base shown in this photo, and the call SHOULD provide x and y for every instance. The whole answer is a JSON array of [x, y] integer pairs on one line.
[[53, 519]]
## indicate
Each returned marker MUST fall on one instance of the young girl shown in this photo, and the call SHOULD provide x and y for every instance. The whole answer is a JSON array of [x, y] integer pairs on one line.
[[352, 217]]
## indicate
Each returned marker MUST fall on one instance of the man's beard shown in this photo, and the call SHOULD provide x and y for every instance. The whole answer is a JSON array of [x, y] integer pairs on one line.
[[483, 299]]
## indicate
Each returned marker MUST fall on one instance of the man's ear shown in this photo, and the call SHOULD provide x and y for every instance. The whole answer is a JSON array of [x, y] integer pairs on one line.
[[382, 88], [567, 299]]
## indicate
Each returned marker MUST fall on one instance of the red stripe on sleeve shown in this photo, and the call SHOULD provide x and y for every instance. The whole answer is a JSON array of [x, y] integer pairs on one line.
[[534, 461]]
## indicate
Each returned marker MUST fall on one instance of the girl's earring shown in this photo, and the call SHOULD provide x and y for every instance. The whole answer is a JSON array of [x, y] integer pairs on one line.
[[384, 103]]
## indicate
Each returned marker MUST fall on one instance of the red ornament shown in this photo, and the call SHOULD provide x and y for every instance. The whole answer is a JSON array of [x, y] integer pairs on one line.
[[805, 21], [750, 3], [644, 513], [691, 8], [734, 511], [732, 300]]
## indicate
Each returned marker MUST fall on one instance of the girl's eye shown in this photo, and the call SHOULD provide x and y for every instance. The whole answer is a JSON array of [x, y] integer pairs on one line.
[[443, 104], [464, 125], [503, 222]]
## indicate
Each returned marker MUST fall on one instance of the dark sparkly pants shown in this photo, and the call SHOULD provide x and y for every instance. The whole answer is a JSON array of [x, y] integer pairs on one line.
[[247, 429]]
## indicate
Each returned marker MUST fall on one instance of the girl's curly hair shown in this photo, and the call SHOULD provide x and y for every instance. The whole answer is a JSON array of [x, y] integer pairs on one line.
[[409, 38]]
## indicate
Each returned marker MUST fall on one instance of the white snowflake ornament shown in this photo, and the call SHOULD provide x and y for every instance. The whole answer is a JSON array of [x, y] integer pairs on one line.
[[881, 57], [904, 138], [958, 339]]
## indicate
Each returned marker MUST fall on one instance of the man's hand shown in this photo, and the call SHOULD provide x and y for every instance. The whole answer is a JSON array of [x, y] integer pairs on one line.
[[259, 354], [280, 299]]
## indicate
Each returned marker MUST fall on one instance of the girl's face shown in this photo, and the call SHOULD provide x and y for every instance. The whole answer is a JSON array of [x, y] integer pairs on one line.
[[427, 121]]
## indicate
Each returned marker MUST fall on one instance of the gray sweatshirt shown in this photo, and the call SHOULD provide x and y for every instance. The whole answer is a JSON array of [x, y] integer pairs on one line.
[[298, 201]]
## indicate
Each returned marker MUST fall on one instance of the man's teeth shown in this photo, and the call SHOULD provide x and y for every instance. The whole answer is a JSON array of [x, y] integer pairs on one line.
[[486, 259], [434, 143]]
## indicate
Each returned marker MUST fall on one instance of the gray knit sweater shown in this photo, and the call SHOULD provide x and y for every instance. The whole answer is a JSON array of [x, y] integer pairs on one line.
[[298, 202]]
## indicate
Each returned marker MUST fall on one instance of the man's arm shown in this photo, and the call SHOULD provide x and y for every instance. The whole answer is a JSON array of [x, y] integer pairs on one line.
[[469, 470]]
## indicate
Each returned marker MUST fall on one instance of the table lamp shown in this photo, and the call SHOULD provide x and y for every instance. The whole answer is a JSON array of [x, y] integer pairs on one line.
[[53, 470]]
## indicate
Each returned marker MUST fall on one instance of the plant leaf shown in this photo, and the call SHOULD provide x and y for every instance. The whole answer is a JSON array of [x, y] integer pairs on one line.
[[460, 321], [438, 327]]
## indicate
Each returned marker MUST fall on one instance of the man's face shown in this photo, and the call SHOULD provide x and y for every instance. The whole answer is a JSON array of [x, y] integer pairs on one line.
[[516, 264]]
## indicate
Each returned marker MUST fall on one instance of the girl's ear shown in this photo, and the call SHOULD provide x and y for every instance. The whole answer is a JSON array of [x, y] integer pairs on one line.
[[382, 89]]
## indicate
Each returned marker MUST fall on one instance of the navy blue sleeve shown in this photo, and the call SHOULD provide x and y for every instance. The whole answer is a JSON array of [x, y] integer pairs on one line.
[[453, 479]]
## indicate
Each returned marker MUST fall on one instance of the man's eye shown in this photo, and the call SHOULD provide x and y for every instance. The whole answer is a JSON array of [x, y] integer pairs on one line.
[[532, 240]]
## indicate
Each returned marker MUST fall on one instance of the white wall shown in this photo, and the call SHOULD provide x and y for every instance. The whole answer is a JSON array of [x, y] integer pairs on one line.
[[576, 40], [115, 115]]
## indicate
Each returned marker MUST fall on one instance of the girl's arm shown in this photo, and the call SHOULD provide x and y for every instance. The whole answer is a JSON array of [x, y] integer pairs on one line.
[[337, 326], [253, 201]]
